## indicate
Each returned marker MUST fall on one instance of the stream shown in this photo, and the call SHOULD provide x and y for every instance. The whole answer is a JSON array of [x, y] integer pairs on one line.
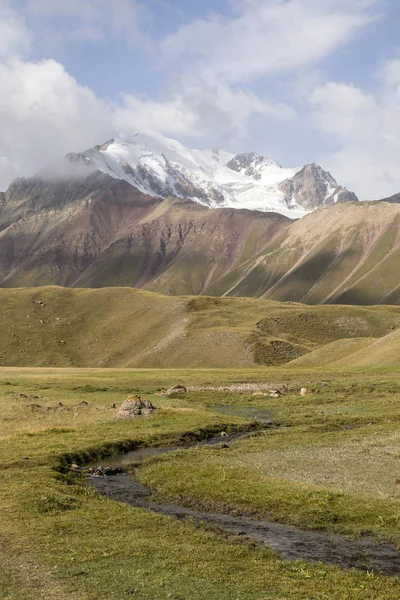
[[288, 542]]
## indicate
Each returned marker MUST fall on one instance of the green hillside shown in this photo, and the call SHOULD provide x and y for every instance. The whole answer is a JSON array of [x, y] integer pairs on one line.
[[125, 327]]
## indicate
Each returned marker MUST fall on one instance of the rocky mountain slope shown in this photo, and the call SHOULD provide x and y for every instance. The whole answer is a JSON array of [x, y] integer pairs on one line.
[[97, 231], [344, 254], [101, 231], [159, 166]]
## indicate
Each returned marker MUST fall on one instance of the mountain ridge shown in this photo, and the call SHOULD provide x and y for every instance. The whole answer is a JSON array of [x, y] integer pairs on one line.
[[156, 165]]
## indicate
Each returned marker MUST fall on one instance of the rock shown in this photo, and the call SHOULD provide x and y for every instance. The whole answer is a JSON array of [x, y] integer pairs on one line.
[[113, 471], [304, 391], [275, 394], [223, 434], [135, 406], [99, 472], [177, 389], [258, 394]]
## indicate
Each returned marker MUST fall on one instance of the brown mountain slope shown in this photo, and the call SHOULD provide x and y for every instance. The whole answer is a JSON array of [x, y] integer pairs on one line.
[[348, 254], [98, 232]]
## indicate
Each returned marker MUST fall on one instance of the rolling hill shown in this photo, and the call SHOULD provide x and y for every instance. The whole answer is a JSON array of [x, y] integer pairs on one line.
[[125, 327]]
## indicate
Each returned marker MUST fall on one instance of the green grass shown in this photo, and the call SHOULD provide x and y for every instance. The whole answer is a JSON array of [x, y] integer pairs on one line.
[[124, 327], [63, 542], [332, 466]]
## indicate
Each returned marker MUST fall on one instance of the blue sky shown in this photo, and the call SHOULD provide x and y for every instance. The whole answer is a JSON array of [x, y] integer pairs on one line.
[[300, 80]]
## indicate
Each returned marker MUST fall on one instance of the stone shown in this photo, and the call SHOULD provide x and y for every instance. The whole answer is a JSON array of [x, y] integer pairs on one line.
[[135, 406], [177, 389], [304, 391], [275, 394]]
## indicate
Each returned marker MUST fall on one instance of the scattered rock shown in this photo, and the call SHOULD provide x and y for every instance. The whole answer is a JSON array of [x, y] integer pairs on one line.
[[99, 472], [177, 389], [304, 391], [113, 471], [258, 394], [135, 406], [275, 394]]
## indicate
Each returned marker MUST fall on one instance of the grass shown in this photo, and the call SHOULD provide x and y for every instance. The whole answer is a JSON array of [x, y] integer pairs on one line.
[[124, 327], [61, 541], [332, 466]]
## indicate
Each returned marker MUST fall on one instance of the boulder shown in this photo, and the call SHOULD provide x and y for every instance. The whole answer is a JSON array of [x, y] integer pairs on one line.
[[135, 406], [304, 391], [177, 389]]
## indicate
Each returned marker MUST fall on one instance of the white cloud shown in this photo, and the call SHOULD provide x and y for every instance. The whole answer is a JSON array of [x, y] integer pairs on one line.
[[15, 38], [273, 36], [94, 19], [200, 108], [45, 113], [365, 128], [209, 66]]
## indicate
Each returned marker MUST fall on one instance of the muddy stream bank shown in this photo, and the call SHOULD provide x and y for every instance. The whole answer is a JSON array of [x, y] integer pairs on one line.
[[287, 541]]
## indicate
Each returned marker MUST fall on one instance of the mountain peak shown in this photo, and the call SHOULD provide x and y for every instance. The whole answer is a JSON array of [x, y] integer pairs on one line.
[[312, 186], [159, 166], [251, 165]]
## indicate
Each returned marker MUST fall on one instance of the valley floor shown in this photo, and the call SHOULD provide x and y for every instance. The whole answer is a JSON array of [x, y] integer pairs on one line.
[[325, 465]]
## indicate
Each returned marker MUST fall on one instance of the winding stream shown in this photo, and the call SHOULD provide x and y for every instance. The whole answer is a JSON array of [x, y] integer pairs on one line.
[[287, 541]]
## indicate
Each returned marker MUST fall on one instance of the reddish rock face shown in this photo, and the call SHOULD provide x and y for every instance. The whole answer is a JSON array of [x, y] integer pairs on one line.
[[99, 231]]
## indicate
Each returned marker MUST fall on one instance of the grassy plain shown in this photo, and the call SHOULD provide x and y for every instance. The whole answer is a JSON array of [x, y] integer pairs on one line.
[[329, 468]]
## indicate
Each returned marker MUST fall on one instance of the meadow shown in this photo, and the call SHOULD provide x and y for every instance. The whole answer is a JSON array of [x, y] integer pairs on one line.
[[327, 465]]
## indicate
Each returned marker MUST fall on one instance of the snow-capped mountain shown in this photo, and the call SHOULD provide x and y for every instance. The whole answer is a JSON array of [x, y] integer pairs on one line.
[[159, 166]]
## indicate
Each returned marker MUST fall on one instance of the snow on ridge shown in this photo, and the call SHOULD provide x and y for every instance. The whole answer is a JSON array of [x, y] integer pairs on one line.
[[157, 165]]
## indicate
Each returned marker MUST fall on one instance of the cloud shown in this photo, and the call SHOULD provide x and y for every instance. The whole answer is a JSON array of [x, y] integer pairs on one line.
[[273, 36], [44, 112], [219, 88], [91, 20], [365, 129], [200, 109], [15, 38]]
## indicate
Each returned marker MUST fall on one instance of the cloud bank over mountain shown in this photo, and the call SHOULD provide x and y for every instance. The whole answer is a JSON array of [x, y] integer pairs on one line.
[[244, 74]]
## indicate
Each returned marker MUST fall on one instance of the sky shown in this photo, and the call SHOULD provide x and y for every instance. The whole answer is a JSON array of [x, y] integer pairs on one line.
[[300, 81]]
